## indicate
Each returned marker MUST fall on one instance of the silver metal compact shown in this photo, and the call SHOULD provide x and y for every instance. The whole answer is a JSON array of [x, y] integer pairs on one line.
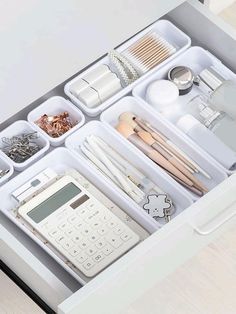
[[183, 77]]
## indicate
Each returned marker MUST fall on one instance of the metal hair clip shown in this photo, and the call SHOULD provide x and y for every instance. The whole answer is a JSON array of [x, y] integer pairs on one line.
[[3, 172], [21, 147], [57, 125]]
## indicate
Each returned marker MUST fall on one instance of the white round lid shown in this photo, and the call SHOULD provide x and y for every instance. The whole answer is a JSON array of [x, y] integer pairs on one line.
[[162, 93]]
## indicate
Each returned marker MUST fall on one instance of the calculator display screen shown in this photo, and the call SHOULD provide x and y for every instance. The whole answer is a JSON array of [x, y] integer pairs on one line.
[[54, 202]]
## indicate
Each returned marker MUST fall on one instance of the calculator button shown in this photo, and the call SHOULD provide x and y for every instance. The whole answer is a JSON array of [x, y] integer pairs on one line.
[[111, 224], [100, 243], [72, 219], [114, 240], [67, 244], [76, 238], [95, 213], [54, 232], [125, 236], [91, 206], [86, 230], [102, 230], [88, 264], [91, 250], [79, 225], [83, 244], [98, 257], [63, 226], [105, 217], [83, 213], [74, 252], [107, 249], [96, 224], [118, 230], [93, 237], [81, 257], [61, 239], [71, 232]]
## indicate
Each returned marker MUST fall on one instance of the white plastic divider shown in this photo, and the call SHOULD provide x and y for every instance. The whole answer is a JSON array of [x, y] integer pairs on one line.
[[54, 106], [131, 104], [197, 59], [22, 127], [61, 160], [5, 165], [180, 199], [162, 27]]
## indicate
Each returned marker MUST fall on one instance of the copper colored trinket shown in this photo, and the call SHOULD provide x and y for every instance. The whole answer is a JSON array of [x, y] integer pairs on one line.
[[57, 125]]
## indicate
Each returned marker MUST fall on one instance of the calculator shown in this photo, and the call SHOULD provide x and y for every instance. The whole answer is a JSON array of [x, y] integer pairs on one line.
[[78, 225]]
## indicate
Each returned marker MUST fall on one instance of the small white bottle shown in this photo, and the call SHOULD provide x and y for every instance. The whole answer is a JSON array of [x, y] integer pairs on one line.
[[222, 92], [207, 140]]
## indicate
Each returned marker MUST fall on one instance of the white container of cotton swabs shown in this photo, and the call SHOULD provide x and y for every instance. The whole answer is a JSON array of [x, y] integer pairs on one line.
[[204, 161], [163, 28], [179, 197]]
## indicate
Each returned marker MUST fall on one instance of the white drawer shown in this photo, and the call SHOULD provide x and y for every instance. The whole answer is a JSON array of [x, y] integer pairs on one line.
[[127, 279]]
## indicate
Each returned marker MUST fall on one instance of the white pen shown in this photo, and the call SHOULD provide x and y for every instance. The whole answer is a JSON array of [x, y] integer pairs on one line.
[[113, 169]]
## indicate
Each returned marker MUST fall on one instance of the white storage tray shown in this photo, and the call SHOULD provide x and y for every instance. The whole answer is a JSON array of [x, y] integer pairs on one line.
[[5, 164], [197, 59], [20, 127], [111, 115], [180, 198], [54, 106], [60, 160], [162, 27]]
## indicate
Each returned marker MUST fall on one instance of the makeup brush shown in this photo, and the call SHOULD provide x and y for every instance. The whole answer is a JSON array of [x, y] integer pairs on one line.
[[191, 188], [127, 131], [172, 147], [132, 120], [139, 125], [147, 138]]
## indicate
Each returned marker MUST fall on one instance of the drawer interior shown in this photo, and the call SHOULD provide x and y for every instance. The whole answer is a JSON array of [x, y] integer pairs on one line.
[[181, 17]]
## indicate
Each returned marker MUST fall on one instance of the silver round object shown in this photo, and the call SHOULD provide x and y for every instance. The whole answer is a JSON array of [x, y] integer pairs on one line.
[[183, 77]]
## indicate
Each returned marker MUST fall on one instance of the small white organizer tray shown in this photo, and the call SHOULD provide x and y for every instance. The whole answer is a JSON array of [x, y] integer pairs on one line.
[[62, 160], [4, 165], [131, 104], [166, 30], [180, 198], [54, 106], [21, 127], [197, 59]]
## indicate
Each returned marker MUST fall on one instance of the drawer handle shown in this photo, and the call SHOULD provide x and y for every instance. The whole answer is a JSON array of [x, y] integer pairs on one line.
[[218, 225]]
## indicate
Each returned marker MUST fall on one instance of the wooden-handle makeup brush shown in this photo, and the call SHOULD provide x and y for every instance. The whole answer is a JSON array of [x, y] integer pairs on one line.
[[191, 188], [173, 148], [127, 131], [148, 139], [163, 140], [137, 125]]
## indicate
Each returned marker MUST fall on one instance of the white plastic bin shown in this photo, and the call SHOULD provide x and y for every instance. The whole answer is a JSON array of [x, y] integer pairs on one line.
[[17, 128], [4, 165], [54, 106], [180, 198], [111, 115], [162, 27]]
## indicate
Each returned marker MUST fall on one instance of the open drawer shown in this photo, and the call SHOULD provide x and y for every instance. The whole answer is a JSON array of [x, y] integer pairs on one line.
[[127, 279]]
